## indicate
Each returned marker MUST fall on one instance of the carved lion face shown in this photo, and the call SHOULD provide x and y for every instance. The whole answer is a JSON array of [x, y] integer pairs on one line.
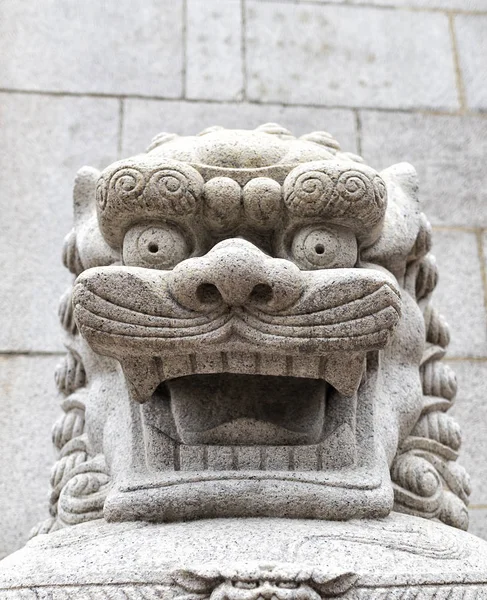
[[251, 333]]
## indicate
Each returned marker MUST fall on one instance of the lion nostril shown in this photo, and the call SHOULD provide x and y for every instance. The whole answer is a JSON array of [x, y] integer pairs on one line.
[[207, 293], [262, 292]]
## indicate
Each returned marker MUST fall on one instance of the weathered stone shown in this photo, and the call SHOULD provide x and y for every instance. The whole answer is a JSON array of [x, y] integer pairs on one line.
[[460, 293], [214, 68], [47, 140], [449, 154], [471, 412], [93, 47], [478, 522], [472, 48], [336, 60], [250, 335], [188, 117], [27, 384]]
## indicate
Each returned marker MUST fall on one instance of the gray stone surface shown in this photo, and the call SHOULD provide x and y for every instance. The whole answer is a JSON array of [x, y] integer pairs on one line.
[[220, 277], [472, 50], [93, 47], [144, 117], [396, 557], [478, 522], [29, 409], [338, 61], [214, 50], [47, 138], [471, 412], [449, 154], [460, 293], [464, 5]]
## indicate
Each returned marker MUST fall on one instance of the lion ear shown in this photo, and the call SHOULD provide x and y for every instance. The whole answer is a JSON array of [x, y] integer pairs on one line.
[[404, 176], [401, 223], [84, 194]]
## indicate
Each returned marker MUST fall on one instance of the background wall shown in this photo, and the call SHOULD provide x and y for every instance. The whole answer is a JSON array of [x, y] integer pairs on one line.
[[89, 82]]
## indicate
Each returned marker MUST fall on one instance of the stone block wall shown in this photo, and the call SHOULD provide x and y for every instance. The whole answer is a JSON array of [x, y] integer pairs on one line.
[[88, 82]]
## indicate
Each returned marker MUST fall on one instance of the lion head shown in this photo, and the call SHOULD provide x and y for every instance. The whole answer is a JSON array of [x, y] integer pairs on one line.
[[250, 334]]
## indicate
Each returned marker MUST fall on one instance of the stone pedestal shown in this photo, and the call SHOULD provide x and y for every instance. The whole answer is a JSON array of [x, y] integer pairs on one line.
[[399, 556]]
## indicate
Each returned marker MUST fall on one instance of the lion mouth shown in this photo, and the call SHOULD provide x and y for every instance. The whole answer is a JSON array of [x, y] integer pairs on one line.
[[233, 411], [254, 387]]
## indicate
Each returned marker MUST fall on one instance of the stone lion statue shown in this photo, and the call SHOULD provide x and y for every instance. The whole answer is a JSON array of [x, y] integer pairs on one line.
[[250, 333]]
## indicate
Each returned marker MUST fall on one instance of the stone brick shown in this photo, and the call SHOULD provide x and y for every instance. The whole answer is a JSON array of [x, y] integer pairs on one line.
[[470, 410], [471, 5], [214, 50], [448, 153], [29, 409], [349, 56], [144, 118], [478, 522], [472, 50], [101, 47], [45, 141], [459, 295]]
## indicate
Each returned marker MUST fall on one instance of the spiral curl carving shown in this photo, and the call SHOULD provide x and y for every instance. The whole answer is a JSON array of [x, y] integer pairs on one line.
[[101, 193], [70, 256], [171, 187], [437, 330], [440, 427], [66, 313], [70, 373], [127, 183], [70, 425], [427, 277], [416, 475], [355, 195], [438, 380], [352, 187], [82, 498]]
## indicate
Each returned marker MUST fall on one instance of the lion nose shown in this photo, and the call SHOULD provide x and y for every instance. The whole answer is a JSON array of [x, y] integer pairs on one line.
[[236, 273]]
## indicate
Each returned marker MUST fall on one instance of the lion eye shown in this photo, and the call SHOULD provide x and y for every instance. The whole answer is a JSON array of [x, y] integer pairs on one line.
[[324, 248], [154, 246]]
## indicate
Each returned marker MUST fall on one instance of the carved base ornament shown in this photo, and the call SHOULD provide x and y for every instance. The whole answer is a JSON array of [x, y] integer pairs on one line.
[[253, 388]]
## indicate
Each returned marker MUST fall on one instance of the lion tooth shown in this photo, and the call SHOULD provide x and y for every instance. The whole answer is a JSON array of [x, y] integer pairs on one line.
[[143, 376], [209, 363], [240, 362], [177, 366], [306, 366], [344, 371], [272, 364], [339, 449], [276, 458], [305, 458], [248, 458], [220, 458], [192, 458]]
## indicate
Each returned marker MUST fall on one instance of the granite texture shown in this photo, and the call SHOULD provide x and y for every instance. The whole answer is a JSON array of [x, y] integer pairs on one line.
[[36, 181], [93, 47], [449, 154], [471, 413], [214, 43], [188, 117], [472, 48], [461, 291], [396, 557], [26, 382], [338, 61]]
